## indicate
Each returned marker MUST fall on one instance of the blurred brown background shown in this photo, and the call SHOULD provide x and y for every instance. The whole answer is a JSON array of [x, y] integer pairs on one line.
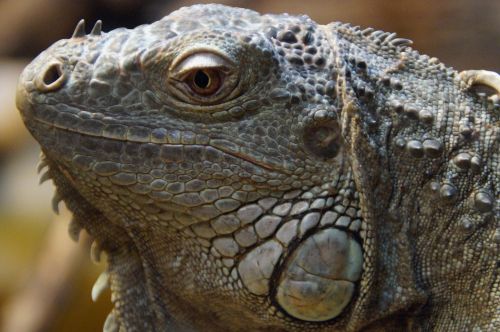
[[45, 278]]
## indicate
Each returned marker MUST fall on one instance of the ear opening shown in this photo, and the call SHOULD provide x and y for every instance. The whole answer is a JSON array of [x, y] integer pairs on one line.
[[323, 138]]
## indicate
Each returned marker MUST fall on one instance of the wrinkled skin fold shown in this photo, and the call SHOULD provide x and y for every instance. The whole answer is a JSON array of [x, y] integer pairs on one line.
[[248, 172]]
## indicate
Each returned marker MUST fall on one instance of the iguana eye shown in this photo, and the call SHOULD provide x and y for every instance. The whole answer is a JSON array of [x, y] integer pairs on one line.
[[205, 82], [202, 78]]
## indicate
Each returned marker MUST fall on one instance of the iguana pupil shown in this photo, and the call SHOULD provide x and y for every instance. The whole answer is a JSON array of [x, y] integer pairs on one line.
[[206, 82], [201, 79]]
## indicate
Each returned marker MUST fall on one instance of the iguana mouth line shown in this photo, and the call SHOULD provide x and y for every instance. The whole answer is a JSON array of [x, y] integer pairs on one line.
[[241, 156]]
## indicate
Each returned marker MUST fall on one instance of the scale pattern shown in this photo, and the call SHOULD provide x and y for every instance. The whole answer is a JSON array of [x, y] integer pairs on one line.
[[247, 172]]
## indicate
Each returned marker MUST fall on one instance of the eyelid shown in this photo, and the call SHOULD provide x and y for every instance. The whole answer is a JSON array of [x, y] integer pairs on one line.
[[202, 60]]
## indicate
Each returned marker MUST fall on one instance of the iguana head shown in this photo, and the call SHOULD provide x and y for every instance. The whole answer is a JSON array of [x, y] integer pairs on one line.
[[210, 156]]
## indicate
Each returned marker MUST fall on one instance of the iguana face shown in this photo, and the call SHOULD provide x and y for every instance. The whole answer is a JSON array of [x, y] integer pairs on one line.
[[218, 157]]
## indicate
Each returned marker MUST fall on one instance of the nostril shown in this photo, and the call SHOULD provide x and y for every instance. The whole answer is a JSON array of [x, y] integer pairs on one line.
[[52, 74], [51, 78]]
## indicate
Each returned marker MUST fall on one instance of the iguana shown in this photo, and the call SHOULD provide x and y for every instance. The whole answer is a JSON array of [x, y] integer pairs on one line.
[[248, 172]]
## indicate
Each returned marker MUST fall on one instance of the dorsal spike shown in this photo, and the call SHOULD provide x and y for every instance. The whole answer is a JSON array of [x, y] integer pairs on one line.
[[401, 42], [96, 30], [79, 30], [367, 31], [390, 37]]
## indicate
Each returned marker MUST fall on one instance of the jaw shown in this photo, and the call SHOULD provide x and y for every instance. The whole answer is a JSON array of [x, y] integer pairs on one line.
[[146, 288], [140, 298], [140, 301]]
